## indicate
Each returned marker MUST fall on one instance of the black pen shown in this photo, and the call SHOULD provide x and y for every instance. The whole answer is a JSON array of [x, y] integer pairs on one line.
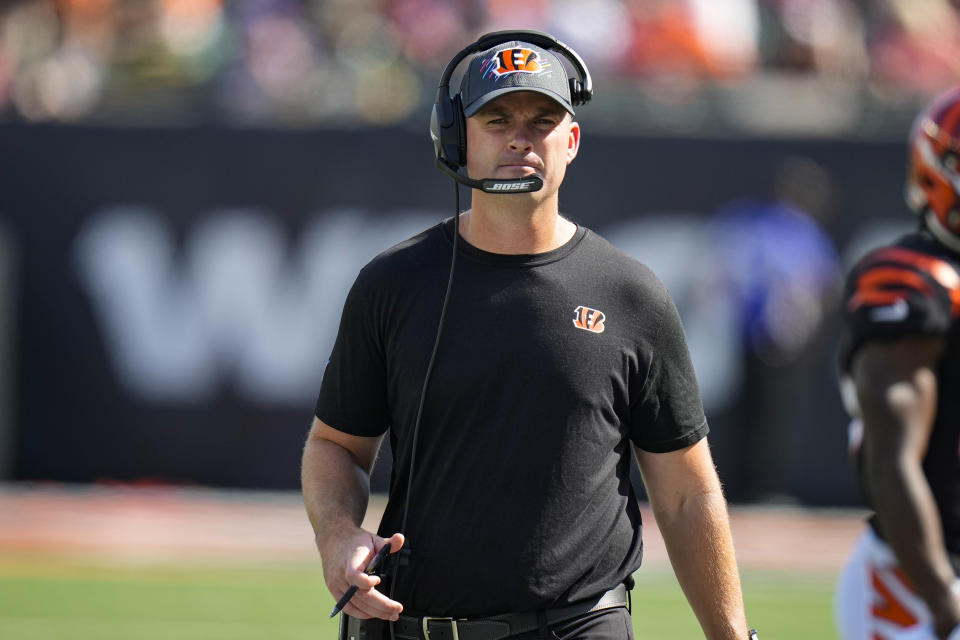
[[384, 550]]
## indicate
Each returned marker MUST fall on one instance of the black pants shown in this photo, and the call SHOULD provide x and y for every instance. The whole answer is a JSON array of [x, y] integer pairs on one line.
[[609, 624]]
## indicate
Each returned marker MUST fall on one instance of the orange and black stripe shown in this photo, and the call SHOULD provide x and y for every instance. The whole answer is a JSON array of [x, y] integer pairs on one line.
[[894, 273], [517, 59], [589, 319]]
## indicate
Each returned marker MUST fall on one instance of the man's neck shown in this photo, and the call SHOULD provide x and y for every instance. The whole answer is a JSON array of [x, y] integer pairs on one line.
[[515, 230]]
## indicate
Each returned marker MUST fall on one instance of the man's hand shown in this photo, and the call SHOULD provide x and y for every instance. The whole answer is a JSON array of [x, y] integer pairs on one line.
[[344, 560]]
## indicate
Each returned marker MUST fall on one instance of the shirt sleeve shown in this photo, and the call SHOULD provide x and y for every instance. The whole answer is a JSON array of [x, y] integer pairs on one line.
[[897, 292], [669, 413], [352, 395]]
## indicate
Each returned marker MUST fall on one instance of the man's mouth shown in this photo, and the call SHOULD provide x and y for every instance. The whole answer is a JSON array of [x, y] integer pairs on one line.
[[519, 168]]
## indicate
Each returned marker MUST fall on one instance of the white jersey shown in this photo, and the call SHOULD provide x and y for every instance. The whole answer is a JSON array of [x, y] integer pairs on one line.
[[875, 601]]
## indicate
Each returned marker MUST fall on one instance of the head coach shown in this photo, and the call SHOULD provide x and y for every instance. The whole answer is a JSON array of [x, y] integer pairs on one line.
[[519, 363]]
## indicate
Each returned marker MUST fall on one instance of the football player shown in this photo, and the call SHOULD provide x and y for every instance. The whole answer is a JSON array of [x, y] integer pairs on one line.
[[901, 364]]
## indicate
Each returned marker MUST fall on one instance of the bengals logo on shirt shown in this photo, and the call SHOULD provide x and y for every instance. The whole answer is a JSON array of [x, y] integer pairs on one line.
[[515, 60], [589, 319]]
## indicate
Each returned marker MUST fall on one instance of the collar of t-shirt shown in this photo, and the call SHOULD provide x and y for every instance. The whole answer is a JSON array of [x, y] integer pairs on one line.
[[514, 260]]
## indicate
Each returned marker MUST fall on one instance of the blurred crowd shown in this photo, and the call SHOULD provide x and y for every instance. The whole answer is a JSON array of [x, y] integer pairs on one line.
[[360, 62]]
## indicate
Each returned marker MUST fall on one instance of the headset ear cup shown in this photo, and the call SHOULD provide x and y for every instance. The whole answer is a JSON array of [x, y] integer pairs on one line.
[[576, 92], [445, 131]]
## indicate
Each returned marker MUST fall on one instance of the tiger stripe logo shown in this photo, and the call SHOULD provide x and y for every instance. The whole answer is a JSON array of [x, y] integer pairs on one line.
[[514, 60], [892, 274], [589, 319]]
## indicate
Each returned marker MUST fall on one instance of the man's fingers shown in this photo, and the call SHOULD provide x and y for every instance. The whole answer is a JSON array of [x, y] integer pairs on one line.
[[355, 570], [371, 603], [367, 602], [396, 541], [359, 559], [361, 579]]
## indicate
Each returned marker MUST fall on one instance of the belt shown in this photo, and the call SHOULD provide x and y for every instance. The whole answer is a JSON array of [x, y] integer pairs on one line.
[[501, 626]]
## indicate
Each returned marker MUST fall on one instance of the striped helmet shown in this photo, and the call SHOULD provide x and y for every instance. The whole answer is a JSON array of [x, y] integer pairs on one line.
[[933, 173]]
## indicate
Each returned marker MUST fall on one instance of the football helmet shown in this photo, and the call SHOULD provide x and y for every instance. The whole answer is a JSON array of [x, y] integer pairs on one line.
[[933, 173]]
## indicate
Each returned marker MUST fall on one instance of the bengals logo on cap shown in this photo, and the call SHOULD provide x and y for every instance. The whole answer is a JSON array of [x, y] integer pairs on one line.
[[589, 319], [515, 60]]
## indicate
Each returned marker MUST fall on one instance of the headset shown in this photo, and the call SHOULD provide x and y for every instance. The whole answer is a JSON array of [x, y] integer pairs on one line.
[[448, 127]]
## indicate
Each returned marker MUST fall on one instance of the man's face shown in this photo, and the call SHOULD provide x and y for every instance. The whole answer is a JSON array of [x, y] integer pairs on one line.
[[520, 134]]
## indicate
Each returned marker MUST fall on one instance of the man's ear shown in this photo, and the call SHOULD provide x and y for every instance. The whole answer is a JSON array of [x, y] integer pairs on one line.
[[573, 142]]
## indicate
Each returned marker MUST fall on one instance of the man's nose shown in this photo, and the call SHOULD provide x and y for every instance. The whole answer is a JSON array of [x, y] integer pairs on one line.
[[521, 140]]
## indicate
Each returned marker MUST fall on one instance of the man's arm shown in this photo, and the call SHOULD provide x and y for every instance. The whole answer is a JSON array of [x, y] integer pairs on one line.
[[691, 513], [897, 392], [335, 478]]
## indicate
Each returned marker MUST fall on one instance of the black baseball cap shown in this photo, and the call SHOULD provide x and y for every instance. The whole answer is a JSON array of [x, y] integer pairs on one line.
[[513, 66]]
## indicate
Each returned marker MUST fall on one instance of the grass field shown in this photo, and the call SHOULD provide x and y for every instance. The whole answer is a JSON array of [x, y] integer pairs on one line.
[[112, 563], [49, 596]]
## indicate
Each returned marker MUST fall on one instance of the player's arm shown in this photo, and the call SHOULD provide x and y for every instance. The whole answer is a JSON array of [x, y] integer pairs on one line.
[[897, 392], [335, 479], [691, 513]]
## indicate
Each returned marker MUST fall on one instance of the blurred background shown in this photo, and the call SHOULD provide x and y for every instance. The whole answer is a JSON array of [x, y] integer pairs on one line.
[[704, 67], [189, 187]]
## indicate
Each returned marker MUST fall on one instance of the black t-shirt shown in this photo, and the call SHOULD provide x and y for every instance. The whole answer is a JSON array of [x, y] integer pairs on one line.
[[549, 366], [912, 288]]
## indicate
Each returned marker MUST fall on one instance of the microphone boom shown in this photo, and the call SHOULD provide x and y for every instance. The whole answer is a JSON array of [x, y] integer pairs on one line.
[[490, 185]]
